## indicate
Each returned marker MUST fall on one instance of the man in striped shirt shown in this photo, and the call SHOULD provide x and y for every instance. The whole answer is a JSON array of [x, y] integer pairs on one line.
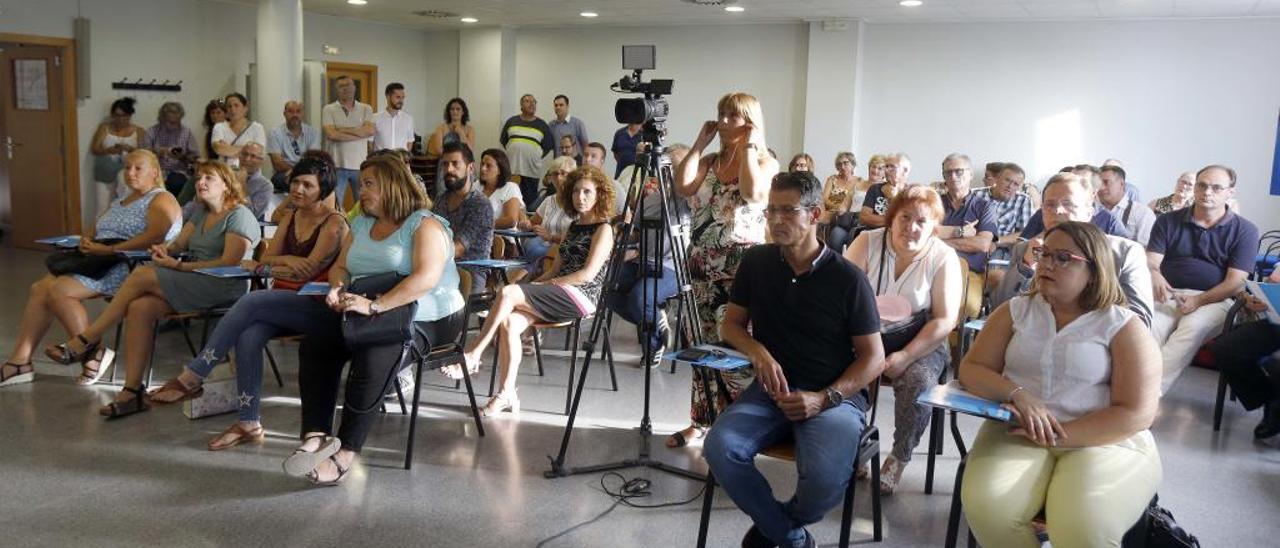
[[527, 139], [1013, 211]]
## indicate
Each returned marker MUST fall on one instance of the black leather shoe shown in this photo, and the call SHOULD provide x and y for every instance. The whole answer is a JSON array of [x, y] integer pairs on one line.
[[1270, 425], [755, 539]]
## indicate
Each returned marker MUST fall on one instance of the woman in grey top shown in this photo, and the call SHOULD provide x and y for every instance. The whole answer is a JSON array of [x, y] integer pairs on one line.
[[223, 233]]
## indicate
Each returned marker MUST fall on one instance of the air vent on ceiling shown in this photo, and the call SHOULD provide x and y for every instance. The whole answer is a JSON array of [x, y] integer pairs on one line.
[[435, 14], [709, 2]]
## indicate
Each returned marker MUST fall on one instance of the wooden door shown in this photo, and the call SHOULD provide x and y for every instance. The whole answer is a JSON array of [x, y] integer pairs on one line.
[[32, 144], [365, 76]]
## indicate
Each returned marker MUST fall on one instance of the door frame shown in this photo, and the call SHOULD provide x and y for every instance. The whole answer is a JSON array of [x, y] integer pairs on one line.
[[70, 131], [372, 70]]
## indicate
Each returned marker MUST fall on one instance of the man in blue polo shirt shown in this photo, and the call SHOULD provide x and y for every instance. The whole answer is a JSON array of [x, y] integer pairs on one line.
[[815, 346], [1199, 257], [969, 226]]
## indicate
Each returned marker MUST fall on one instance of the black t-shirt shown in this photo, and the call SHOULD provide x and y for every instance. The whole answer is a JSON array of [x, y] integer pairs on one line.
[[876, 200], [807, 322]]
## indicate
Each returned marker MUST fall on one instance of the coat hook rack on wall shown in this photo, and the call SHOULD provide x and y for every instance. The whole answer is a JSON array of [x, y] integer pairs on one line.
[[153, 85]]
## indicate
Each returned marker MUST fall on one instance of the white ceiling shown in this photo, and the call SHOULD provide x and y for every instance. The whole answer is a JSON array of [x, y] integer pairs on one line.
[[559, 13]]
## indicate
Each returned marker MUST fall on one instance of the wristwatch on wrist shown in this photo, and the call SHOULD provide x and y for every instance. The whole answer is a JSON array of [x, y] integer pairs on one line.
[[958, 232], [374, 309], [834, 397]]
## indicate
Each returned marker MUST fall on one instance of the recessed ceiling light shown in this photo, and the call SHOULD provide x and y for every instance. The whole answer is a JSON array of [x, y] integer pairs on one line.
[[357, 2], [911, 3], [735, 9], [589, 14], [469, 20]]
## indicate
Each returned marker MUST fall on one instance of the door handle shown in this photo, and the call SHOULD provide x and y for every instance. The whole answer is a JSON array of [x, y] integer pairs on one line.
[[9, 144]]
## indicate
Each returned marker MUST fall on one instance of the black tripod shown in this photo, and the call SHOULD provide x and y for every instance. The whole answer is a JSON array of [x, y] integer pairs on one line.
[[655, 234]]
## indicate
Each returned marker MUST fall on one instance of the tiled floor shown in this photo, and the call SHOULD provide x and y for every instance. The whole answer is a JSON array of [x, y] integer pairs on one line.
[[71, 479]]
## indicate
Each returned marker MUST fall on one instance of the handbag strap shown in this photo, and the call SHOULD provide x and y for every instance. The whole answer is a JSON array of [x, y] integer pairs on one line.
[[884, 248]]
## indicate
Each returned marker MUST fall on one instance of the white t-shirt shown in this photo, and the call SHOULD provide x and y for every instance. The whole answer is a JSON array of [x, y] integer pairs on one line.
[[554, 219], [504, 193], [392, 131], [916, 282], [347, 154], [253, 133]]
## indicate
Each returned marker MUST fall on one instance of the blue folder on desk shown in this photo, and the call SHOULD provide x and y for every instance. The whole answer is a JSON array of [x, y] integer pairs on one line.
[[493, 263], [722, 358], [513, 233], [1270, 294], [951, 396], [61, 241], [314, 288], [135, 254], [225, 272]]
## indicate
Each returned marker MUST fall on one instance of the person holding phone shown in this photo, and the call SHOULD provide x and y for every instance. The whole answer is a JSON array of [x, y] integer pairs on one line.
[[174, 144]]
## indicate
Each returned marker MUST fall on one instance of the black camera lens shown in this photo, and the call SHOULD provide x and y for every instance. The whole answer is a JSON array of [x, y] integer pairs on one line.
[[639, 110]]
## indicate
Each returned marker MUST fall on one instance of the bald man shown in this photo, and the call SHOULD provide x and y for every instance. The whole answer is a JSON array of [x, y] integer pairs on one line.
[[285, 144]]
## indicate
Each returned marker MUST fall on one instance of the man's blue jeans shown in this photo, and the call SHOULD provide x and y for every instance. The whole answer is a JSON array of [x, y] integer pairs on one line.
[[347, 177], [633, 304], [825, 445]]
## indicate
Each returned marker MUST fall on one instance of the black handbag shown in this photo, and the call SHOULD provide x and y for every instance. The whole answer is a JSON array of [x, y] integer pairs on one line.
[[1164, 532], [392, 326], [897, 335], [74, 261]]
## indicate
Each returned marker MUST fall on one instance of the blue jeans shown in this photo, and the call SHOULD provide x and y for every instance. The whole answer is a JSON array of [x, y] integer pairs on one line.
[[254, 320], [347, 177], [825, 446], [633, 304]]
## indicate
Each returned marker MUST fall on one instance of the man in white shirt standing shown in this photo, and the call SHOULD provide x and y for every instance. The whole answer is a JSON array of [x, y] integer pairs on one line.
[[393, 127], [1135, 216], [348, 126]]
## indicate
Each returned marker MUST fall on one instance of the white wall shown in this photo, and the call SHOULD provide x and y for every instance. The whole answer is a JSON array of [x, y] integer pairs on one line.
[[1162, 96], [767, 61], [210, 45]]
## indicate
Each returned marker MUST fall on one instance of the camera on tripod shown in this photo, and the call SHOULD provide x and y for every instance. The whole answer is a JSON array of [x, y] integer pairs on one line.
[[650, 108]]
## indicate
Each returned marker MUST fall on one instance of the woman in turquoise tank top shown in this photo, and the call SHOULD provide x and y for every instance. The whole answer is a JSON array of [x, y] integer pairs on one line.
[[395, 233]]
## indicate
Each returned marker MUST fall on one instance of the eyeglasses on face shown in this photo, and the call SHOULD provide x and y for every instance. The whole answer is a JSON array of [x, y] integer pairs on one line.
[[1059, 258], [784, 212], [1214, 189]]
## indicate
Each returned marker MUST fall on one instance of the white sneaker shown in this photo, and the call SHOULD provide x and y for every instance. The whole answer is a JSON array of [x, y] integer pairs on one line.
[[405, 380]]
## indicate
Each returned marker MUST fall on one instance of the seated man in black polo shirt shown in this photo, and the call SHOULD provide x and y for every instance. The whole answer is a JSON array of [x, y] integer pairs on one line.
[[815, 346]]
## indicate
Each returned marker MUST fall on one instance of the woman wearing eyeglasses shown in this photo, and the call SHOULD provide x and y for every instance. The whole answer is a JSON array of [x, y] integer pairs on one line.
[[1081, 374]]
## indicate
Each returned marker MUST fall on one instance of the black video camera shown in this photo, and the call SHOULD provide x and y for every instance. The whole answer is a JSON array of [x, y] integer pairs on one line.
[[641, 110]]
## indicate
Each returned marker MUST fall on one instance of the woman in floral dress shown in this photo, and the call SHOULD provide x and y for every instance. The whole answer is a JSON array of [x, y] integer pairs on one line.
[[727, 191]]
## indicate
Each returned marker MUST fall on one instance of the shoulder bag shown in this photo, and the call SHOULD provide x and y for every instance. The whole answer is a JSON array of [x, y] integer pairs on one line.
[[74, 261], [896, 335], [392, 326]]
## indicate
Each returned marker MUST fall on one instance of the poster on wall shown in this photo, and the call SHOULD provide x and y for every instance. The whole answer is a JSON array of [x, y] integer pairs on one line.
[[1275, 163], [31, 83]]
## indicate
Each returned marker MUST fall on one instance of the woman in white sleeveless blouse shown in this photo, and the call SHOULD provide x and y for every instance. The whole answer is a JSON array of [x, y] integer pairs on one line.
[[907, 262], [1082, 375]]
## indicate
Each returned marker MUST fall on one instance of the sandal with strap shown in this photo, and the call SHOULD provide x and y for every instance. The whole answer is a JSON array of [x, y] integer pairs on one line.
[[177, 386], [454, 371], [137, 404], [22, 373], [239, 435], [678, 439], [64, 355], [302, 461], [91, 375], [342, 473]]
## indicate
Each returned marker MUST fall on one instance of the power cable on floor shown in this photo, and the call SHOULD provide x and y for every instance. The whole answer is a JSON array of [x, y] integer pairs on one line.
[[634, 488]]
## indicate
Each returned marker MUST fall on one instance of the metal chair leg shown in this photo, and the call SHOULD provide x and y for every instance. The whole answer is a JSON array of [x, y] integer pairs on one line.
[[846, 516], [937, 417], [1220, 403], [573, 365], [953, 519], [413, 419], [709, 493], [275, 369]]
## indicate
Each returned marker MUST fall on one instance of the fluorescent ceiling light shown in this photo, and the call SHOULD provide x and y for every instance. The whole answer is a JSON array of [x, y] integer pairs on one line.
[[469, 20], [589, 14], [357, 2], [911, 3], [735, 9]]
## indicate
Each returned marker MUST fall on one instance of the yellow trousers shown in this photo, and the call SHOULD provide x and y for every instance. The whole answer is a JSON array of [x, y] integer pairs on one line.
[[1090, 496]]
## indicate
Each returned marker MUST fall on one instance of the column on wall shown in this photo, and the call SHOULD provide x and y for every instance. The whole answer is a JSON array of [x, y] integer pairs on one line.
[[832, 92], [279, 60], [486, 79]]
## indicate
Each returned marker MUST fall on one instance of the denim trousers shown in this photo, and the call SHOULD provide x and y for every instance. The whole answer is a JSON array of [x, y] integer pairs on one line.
[[825, 445], [347, 177], [633, 304], [255, 319]]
